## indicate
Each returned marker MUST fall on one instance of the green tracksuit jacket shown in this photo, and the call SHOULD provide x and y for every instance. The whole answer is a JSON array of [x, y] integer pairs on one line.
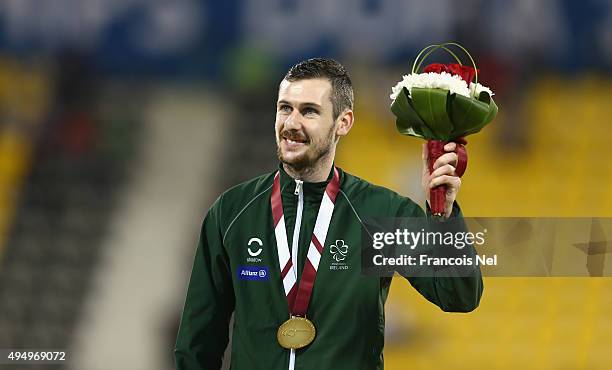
[[347, 307]]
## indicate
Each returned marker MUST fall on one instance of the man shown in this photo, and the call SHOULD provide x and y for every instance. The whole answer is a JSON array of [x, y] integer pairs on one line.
[[263, 243]]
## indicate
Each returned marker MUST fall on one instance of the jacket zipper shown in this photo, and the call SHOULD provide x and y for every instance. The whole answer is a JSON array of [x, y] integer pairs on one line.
[[298, 223], [299, 191], [298, 187]]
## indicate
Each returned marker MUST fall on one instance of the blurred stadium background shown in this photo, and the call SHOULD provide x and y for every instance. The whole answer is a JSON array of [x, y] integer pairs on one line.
[[121, 122]]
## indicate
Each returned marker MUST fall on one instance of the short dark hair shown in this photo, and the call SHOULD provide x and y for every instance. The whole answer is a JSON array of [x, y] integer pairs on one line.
[[332, 70]]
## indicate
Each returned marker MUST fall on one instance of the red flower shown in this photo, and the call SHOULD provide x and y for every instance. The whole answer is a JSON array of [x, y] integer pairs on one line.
[[467, 73], [435, 68]]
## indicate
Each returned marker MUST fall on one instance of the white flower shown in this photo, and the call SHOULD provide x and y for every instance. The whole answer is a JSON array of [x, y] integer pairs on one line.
[[443, 80], [476, 89]]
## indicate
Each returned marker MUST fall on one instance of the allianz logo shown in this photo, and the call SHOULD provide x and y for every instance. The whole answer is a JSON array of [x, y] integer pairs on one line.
[[260, 273]]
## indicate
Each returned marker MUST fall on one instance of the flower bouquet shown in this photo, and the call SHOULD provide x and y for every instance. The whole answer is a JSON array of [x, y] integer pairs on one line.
[[442, 104]]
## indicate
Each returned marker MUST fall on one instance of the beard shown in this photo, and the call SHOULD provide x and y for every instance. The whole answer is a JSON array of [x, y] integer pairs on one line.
[[316, 149]]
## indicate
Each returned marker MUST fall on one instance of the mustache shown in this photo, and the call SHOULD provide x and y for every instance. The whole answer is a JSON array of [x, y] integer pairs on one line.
[[294, 135]]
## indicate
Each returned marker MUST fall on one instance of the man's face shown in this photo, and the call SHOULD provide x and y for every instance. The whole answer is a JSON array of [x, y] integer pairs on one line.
[[305, 128]]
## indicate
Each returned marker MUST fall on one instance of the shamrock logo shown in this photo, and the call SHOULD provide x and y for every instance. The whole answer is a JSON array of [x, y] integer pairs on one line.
[[339, 250]]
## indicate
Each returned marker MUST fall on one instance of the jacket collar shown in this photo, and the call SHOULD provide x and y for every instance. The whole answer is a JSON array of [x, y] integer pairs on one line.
[[310, 188]]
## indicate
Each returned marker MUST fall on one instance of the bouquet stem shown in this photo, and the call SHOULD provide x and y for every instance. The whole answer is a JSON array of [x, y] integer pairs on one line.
[[435, 149]]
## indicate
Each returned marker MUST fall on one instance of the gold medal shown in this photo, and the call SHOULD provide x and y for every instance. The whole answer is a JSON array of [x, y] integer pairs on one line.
[[297, 332]]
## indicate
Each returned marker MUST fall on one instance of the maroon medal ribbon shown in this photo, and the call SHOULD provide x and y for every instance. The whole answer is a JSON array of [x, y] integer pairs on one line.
[[298, 294]]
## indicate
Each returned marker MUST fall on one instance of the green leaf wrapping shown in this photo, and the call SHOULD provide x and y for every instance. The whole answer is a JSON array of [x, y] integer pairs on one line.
[[467, 114], [431, 106], [492, 112], [436, 114], [408, 121]]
